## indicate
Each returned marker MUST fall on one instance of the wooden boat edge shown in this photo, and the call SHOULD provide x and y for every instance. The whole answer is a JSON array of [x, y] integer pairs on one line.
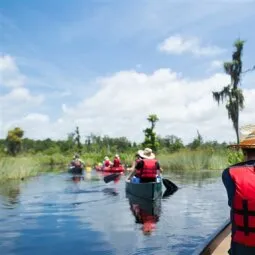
[[214, 240]]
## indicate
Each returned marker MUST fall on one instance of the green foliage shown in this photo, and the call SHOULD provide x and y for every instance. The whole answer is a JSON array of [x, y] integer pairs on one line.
[[197, 142], [170, 143], [151, 139], [193, 160], [77, 140], [14, 140], [18, 168], [235, 157]]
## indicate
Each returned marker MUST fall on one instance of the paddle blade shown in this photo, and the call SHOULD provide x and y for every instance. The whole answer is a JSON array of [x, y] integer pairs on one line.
[[111, 177], [170, 186]]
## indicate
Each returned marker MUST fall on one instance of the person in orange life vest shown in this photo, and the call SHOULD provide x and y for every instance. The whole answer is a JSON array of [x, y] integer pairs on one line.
[[107, 162], [239, 181], [147, 168], [116, 161]]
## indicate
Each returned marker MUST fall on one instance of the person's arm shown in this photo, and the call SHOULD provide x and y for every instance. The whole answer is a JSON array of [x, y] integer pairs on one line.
[[137, 166], [159, 167], [229, 185]]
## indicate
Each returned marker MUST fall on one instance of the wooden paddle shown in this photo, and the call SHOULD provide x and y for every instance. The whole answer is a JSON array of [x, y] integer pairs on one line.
[[111, 177]]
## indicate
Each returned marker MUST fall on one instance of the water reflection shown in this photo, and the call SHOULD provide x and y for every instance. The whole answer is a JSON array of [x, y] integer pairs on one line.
[[197, 178], [145, 212], [10, 191], [77, 178], [65, 213]]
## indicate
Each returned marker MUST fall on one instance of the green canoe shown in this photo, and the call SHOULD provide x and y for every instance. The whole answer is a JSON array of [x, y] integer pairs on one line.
[[149, 191]]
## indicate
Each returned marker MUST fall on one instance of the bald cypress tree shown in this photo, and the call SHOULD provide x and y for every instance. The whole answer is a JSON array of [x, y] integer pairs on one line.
[[232, 93]]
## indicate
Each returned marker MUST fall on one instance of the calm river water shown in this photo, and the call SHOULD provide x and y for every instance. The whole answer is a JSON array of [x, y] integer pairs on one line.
[[53, 214]]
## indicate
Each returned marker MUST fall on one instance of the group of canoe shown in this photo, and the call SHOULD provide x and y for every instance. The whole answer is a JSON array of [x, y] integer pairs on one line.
[[148, 190], [152, 191], [77, 166]]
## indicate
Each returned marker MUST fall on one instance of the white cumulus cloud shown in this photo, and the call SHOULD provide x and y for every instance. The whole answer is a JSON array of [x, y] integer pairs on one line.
[[10, 75], [17, 101], [177, 44], [125, 99], [122, 103]]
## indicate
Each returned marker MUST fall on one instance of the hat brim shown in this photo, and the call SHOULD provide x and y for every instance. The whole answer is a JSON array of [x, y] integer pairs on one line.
[[142, 155]]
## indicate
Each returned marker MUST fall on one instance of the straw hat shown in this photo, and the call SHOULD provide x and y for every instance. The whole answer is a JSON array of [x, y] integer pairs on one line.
[[117, 156], [106, 158], [247, 138], [146, 153]]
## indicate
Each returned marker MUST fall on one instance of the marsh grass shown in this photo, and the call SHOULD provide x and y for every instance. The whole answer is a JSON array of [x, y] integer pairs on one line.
[[182, 161], [194, 160], [18, 168]]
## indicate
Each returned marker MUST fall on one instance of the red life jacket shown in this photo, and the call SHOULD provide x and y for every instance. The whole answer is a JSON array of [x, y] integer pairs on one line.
[[149, 169], [116, 162], [243, 205], [107, 163]]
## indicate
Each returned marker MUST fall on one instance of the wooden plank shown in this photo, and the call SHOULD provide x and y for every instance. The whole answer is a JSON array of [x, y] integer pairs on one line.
[[223, 247]]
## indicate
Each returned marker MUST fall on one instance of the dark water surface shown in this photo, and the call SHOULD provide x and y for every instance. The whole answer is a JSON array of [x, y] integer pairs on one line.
[[53, 214]]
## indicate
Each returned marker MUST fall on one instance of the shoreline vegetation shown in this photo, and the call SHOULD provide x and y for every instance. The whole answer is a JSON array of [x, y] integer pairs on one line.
[[185, 160], [23, 157]]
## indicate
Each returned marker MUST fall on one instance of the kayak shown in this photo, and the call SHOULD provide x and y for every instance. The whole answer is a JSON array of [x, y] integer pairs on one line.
[[218, 243], [75, 170], [149, 190], [110, 169]]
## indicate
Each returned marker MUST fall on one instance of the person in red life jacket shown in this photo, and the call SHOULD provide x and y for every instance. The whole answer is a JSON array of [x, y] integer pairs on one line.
[[116, 161], [239, 181], [147, 167], [107, 162]]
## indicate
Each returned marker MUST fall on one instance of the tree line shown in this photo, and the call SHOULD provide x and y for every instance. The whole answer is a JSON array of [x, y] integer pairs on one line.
[[92, 143]]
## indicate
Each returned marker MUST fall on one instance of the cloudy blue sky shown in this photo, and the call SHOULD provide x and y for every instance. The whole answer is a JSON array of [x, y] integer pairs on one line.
[[106, 64]]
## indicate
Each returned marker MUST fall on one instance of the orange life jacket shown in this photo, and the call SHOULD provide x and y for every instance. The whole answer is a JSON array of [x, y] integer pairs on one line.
[[149, 169], [116, 162], [243, 205]]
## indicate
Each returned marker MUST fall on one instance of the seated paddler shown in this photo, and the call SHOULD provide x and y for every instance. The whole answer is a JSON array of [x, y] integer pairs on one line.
[[147, 167], [116, 161], [107, 162], [77, 162]]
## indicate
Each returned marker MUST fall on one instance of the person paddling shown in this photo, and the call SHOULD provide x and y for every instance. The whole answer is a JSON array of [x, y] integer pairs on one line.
[[147, 167], [107, 162], [116, 161], [77, 162], [239, 181]]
